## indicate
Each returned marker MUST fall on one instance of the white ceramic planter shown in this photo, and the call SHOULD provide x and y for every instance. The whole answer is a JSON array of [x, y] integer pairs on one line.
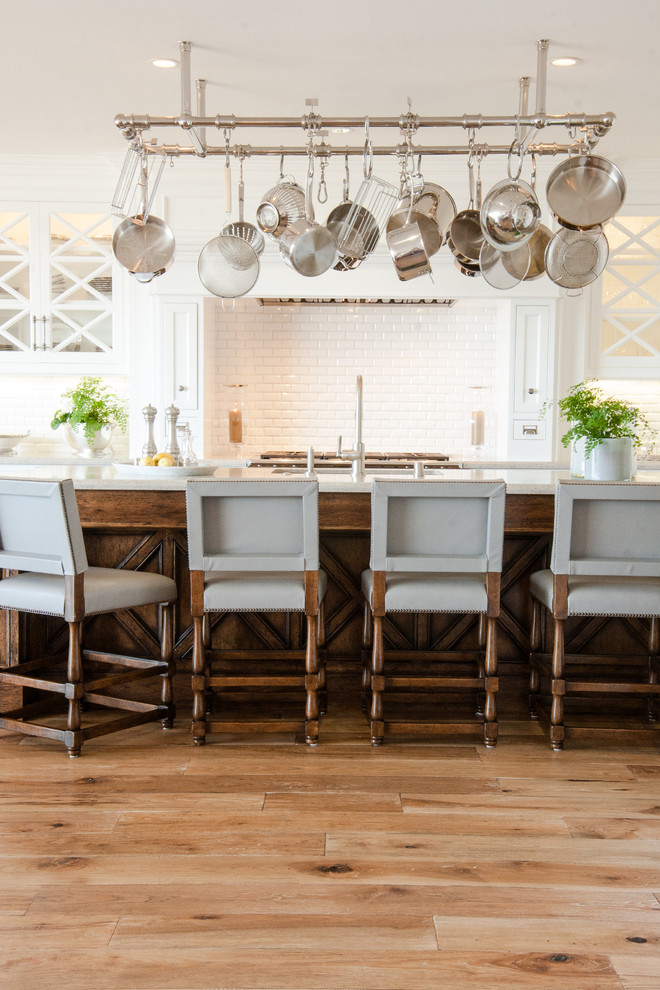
[[98, 448], [613, 459]]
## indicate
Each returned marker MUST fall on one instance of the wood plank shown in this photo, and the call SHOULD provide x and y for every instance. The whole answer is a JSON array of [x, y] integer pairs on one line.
[[551, 935], [276, 897], [266, 931], [294, 970]]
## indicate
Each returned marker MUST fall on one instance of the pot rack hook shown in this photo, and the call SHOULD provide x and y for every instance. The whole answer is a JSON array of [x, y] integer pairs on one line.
[[281, 163], [515, 149], [368, 154], [227, 133], [347, 179]]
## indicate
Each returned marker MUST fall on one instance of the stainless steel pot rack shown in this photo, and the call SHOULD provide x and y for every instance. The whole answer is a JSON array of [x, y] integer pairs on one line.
[[584, 129]]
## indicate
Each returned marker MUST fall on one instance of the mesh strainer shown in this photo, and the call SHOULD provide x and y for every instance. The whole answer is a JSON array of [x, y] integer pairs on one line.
[[575, 258], [241, 227]]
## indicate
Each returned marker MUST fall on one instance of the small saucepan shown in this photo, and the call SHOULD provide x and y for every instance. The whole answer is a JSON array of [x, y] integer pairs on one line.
[[407, 247]]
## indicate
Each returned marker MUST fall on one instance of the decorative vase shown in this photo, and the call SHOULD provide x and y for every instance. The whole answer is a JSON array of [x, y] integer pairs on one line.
[[98, 447], [613, 459]]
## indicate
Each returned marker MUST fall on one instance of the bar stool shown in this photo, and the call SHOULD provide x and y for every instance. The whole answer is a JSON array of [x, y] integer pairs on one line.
[[436, 546], [605, 563], [41, 537], [253, 546]]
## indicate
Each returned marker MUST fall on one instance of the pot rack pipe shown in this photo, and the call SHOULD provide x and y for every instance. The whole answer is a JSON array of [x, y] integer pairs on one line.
[[133, 126], [248, 151]]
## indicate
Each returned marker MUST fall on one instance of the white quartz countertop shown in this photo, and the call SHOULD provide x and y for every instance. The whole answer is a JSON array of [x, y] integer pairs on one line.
[[105, 476]]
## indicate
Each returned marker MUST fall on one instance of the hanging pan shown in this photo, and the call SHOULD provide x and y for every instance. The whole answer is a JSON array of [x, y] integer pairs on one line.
[[575, 258], [361, 238], [433, 210], [144, 247], [228, 266], [585, 191], [465, 235]]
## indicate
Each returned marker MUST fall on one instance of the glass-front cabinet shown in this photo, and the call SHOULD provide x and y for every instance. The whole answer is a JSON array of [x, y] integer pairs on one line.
[[56, 288]]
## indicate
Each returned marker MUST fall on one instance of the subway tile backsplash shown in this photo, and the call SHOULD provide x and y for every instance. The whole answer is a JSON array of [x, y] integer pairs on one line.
[[424, 368]]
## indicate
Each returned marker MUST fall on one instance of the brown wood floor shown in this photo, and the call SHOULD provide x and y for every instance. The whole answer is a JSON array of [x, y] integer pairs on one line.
[[258, 863]]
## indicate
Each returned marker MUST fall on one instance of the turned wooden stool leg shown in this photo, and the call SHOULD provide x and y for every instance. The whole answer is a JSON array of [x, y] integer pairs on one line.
[[558, 688], [206, 638], [491, 684], [481, 669], [166, 622], [534, 647], [323, 674], [312, 682], [199, 682], [377, 683], [75, 689], [367, 634], [654, 661]]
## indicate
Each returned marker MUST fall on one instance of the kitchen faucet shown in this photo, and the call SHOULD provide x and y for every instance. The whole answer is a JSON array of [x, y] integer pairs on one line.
[[355, 456]]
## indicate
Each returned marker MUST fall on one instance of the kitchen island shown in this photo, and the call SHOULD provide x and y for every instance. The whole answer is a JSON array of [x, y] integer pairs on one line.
[[140, 522]]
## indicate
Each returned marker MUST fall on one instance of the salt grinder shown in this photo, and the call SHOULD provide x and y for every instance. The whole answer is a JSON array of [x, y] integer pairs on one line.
[[171, 415], [149, 449]]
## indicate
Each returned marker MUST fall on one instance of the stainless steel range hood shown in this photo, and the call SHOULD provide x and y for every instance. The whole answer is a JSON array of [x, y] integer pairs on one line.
[[340, 300]]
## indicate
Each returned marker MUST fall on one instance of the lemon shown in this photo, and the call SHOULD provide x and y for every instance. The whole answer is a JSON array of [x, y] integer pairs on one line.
[[147, 462], [158, 456], [165, 460]]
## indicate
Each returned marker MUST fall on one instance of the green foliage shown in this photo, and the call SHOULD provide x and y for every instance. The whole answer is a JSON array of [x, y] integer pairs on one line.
[[594, 416], [94, 405]]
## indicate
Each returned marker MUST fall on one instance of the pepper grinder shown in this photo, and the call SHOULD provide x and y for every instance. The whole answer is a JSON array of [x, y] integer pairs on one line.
[[149, 449], [171, 415]]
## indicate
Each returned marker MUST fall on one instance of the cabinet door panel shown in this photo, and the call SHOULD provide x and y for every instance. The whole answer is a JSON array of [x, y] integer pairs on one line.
[[180, 360]]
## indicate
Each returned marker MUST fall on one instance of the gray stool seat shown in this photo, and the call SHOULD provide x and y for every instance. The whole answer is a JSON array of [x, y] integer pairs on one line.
[[104, 588], [251, 591], [436, 546], [605, 564], [452, 592], [41, 538], [253, 546]]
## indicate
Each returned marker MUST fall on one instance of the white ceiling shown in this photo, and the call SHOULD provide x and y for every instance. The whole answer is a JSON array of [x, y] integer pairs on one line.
[[69, 66]]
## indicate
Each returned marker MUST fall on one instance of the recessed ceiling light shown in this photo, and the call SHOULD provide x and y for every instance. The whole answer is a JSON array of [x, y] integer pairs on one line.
[[565, 60], [164, 63]]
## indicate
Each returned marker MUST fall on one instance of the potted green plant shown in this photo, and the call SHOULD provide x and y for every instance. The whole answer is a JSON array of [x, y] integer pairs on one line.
[[603, 432], [89, 414]]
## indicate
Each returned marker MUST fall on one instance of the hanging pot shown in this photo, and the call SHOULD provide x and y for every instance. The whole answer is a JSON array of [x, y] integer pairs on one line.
[[585, 191], [510, 214], [309, 248], [538, 243], [433, 211], [144, 247], [468, 268], [407, 248]]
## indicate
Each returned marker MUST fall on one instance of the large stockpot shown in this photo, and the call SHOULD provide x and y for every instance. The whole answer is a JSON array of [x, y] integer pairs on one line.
[[585, 191]]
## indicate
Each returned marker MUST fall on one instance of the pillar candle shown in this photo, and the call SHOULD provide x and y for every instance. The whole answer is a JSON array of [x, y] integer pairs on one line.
[[235, 426], [477, 428]]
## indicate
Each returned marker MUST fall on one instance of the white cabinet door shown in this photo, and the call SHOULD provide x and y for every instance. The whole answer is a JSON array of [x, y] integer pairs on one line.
[[57, 311], [181, 362], [531, 381]]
